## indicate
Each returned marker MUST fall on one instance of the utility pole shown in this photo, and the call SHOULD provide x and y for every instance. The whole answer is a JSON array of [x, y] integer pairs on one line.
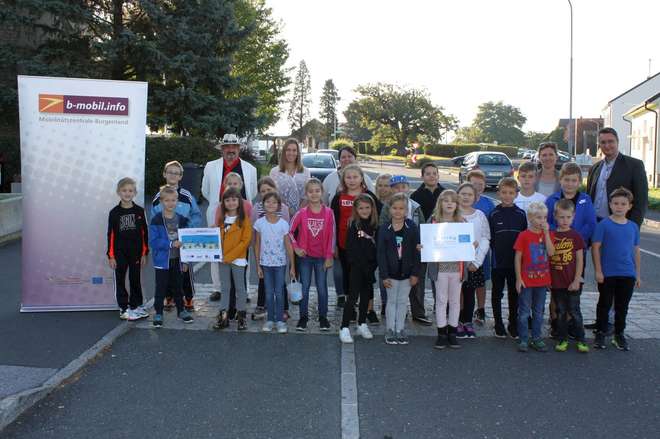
[[571, 132]]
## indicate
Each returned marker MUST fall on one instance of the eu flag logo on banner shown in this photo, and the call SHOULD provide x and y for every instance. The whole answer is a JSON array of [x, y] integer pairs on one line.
[[97, 280]]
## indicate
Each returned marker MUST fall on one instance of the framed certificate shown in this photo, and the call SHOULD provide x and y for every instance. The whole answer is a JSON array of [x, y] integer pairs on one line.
[[200, 245], [447, 242]]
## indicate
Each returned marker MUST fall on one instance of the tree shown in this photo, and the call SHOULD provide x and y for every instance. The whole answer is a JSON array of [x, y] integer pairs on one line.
[[260, 61], [500, 123], [558, 136], [301, 99], [328, 112], [468, 135], [355, 127], [399, 115], [534, 138]]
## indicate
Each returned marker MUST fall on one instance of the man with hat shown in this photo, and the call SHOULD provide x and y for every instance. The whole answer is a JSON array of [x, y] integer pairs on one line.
[[213, 183]]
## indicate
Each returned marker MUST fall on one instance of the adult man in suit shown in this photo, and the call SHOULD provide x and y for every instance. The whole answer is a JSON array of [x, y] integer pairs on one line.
[[614, 171], [617, 170], [213, 185]]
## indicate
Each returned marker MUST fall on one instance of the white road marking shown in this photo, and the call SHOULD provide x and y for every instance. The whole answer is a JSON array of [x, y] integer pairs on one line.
[[649, 253], [350, 422]]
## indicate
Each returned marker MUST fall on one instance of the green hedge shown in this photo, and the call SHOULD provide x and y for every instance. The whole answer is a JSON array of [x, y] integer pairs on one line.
[[159, 150], [453, 150]]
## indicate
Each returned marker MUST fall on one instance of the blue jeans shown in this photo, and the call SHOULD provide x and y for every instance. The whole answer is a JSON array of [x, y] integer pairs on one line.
[[306, 266], [531, 301], [274, 286]]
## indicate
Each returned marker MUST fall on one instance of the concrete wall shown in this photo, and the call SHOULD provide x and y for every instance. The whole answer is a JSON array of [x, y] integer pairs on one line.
[[11, 215], [620, 106]]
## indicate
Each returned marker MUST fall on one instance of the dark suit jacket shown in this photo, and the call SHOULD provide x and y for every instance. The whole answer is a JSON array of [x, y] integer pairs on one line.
[[628, 172]]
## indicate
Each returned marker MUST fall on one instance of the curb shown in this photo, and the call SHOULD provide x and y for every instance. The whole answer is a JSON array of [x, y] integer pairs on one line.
[[8, 239], [12, 406], [652, 223]]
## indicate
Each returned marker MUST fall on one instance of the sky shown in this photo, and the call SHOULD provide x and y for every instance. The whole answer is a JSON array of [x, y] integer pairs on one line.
[[466, 52]]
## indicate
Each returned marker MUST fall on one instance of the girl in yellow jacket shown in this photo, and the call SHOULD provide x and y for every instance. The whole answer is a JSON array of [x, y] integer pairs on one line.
[[235, 234]]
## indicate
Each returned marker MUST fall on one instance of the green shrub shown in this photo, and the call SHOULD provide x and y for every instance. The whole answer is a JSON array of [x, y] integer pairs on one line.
[[340, 143], [10, 152]]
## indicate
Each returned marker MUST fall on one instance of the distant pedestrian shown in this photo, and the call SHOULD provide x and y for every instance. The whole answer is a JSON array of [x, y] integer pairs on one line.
[[165, 245], [615, 250], [128, 249]]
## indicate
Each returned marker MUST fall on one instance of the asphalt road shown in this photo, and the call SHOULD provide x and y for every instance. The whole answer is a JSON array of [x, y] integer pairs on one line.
[[173, 384], [197, 384]]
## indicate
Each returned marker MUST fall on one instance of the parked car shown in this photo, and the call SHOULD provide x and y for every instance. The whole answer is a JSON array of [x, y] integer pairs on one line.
[[457, 161], [494, 164], [320, 165], [333, 152], [562, 158], [528, 154]]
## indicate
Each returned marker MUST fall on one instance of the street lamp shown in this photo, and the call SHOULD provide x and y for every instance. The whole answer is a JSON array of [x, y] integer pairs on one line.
[[571, 132]]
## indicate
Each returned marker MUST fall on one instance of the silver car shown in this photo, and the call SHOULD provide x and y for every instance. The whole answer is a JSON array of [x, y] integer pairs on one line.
[[495, 165]]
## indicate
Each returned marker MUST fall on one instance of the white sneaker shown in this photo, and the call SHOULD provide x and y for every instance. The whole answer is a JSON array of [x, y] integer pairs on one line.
[[364, 331], [268, 326], [141, 312], [345, 335], [132, 315], [282, 328], [123, 314]]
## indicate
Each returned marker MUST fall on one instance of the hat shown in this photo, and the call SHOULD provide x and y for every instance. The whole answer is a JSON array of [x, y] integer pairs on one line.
[[228, 139], [396, 179]]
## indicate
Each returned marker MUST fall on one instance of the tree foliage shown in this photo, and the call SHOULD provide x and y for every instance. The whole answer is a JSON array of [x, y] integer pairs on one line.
[[399, 116], [501, 123], [328, 111], [198, 57], [301, 98]]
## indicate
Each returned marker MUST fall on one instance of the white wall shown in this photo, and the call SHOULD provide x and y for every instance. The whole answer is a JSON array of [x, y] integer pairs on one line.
[[623, 104]]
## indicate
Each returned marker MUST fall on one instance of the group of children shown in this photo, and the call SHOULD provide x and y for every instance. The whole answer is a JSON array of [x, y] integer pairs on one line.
[[527, 242]]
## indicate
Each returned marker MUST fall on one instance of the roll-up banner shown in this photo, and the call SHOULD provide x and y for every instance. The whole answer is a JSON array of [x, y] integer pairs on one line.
[[78, 138]]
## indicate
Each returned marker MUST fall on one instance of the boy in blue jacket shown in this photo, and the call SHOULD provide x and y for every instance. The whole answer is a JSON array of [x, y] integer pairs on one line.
[[165, 245], [186, 206], [584, 221]]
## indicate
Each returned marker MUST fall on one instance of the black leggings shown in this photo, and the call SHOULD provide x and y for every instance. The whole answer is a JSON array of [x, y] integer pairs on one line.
[[501, 276], [128, 261], [346, 270], [468, 293], [361, 286], [617, 289]]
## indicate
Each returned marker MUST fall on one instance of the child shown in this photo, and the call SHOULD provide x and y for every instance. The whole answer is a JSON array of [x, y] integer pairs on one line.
[[506, 221], [615, 251], [127, 250], [165, 245], [533, 247], [527, 180], [400, 184], [361, 251], [447, 276], [384, 193], [272, 247], [186, 206], [584, 219], [314, 226], [475, 276], [426, 195], [352, 184], [265, 185], [235, 235], [398, 266], [232, 180], [486, 205], [566, 272]]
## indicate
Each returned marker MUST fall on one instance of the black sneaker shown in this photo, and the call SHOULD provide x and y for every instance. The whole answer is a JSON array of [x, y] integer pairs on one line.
[[599, 341], [451, 339], [619, 341], [341, 300], [500, 332], [221, 321], [372, 318], [440, 342], [215, 296], [324, 324], [302, 324], [390, 338], [401, 338], [513, 332], [242, 320], [422, 320]]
